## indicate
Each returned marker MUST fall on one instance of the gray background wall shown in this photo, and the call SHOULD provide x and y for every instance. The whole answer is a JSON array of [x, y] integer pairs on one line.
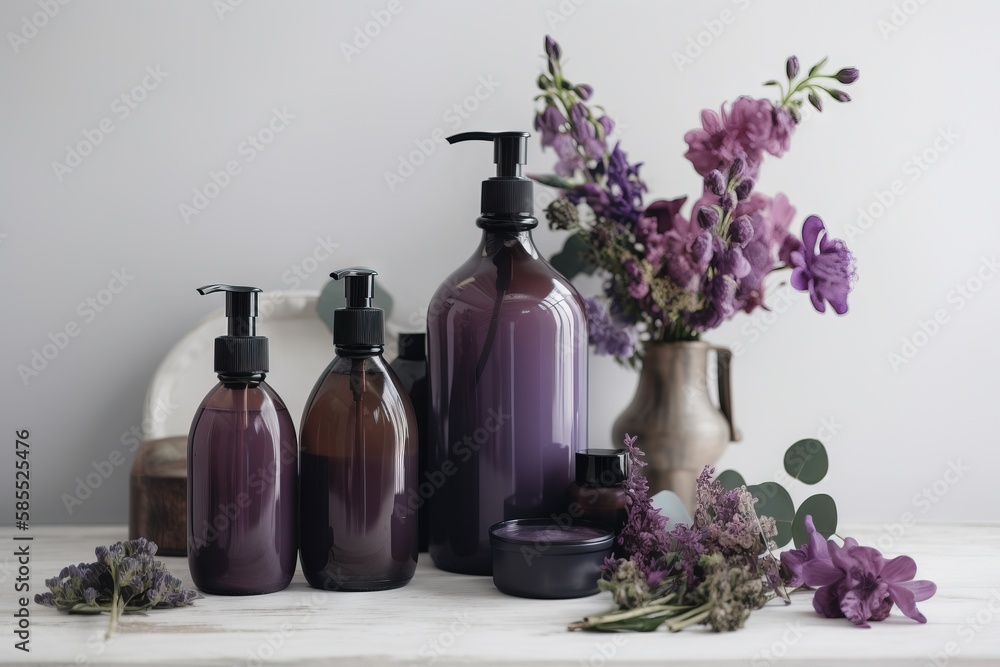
[[927, 89]]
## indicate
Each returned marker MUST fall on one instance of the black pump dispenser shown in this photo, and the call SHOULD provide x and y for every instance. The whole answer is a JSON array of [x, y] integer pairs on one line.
[[508, 195], [241, 352], [359, 325]]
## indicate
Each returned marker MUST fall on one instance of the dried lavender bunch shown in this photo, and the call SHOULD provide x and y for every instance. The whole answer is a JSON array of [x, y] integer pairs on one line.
[[713, 572], [124, 579]]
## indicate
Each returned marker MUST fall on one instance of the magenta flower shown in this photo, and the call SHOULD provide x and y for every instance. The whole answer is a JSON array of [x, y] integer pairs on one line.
[[746, 130], [816, 549], [826, 275], [857, 583]]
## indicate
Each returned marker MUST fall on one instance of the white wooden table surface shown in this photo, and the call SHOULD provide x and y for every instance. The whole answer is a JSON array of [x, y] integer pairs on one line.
[[441, 618]]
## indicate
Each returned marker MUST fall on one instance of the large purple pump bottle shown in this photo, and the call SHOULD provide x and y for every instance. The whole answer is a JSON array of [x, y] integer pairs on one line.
[[242, 467], [507, 364]]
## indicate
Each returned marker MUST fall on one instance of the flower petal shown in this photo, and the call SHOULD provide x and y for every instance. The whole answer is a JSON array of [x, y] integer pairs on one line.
[[817, 301], [800, 279], [818, 547], [821, 573], [856, 608], [793, 560], [811, 229], [902, 568], [906, 602], [922, 589], [826, 604]]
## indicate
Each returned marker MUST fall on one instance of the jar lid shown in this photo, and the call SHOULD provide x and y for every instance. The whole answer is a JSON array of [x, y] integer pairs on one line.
[[602, 467], [556, 539]]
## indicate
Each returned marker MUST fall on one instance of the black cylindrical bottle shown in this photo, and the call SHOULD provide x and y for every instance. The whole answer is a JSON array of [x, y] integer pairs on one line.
[[411, 367], [598, 494]]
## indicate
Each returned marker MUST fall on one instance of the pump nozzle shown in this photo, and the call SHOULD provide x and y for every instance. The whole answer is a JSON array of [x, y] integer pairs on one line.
[[508, 193], [359, 324], [510, 149], [241, 351], [359, 286]]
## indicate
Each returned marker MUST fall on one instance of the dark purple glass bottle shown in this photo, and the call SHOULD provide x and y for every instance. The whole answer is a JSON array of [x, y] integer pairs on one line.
[[242, 467], [507, 368], [242, 491], [358, 520]]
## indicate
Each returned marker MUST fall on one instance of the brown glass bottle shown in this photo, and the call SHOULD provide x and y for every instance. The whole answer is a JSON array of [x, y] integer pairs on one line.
[[598, 494], [358, 460]]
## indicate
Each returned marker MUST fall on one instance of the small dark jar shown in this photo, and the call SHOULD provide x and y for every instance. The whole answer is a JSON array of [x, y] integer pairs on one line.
[[598, 494]]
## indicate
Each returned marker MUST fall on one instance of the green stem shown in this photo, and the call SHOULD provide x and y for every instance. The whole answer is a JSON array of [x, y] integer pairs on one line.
[[115, 601], [801, 85], [693, 617]]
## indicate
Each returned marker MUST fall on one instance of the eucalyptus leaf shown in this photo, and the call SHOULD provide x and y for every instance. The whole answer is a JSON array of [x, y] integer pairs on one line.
[[823, 511], [730, 479], [573, 259], [773, 500], [807, 461]]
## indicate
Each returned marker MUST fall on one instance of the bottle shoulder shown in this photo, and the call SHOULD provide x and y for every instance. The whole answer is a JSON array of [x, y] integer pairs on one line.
[[259, 397], [516, 268]]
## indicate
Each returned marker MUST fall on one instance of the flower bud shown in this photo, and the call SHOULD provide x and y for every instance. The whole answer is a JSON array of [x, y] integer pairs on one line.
[[708, 217], [848, 75], [839, 95], [741, 231], [584, 91], [744, 188], [544, 82], [736, 168], [552, 49], [714, 182], [792, 67], [815, 100], [728, 201]]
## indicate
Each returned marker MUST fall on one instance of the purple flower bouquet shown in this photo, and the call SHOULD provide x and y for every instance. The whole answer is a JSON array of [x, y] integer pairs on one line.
[[671, 275]]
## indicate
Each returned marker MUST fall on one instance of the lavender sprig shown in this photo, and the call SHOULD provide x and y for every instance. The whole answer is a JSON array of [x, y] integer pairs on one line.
[[811, 84], [714, 572], [124, 579]]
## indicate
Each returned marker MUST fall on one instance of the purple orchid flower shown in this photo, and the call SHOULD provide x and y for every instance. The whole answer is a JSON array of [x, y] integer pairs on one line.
[[856, 582], [816, 548], [826, 275]]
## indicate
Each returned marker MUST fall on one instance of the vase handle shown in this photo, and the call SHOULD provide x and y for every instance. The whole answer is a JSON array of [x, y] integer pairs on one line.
[[723, 359]]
